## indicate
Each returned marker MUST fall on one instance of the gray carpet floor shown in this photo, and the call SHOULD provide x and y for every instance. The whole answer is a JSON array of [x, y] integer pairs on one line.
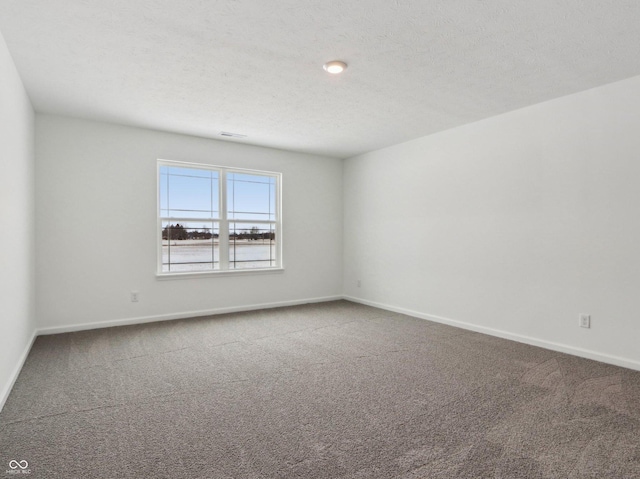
[[332, 390]]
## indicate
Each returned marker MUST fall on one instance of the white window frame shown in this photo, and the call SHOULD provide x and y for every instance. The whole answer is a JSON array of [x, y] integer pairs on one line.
[[223, 222]]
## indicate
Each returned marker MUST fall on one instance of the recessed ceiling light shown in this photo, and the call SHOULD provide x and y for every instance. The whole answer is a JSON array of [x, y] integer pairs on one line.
[[335, 67]]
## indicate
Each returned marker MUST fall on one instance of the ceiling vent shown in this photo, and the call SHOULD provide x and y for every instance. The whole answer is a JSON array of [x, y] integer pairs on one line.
[[232, 135]]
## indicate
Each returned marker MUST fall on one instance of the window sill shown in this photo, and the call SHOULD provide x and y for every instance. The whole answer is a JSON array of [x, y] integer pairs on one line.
[[212, 274]]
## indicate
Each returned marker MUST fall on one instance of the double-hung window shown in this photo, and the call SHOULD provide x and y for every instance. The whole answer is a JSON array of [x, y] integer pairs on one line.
[[215, 219]]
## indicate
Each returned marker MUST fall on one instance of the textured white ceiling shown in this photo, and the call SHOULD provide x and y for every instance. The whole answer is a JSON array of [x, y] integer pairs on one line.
[[255, 67]]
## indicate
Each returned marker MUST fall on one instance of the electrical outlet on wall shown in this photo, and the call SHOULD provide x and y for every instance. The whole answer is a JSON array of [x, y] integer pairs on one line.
[[359, 283], [585, 320], [135, 296]]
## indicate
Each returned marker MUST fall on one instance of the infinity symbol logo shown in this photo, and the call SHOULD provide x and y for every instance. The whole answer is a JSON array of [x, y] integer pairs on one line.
[[13, 464]]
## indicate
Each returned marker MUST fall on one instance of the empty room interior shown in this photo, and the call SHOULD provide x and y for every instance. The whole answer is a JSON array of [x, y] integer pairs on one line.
[[305, 239]]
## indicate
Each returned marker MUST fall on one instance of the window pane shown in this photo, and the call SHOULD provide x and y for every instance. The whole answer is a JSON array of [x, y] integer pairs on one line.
[[190, 246], [252, 245], [251, 197], [189, 193]]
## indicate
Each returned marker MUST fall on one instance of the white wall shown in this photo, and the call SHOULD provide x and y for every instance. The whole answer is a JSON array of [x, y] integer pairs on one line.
[[96, 225], [17, 260], [514, 225]]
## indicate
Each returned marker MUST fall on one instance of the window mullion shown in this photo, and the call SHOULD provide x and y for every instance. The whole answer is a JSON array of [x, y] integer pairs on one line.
[[224, 223]]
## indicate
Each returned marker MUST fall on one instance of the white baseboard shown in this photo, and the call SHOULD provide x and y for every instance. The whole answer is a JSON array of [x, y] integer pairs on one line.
[[188, 314], [6, 390], [563, 348]]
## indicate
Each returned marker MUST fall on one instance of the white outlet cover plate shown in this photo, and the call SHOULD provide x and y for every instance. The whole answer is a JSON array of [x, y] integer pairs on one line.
[[585, 321]]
